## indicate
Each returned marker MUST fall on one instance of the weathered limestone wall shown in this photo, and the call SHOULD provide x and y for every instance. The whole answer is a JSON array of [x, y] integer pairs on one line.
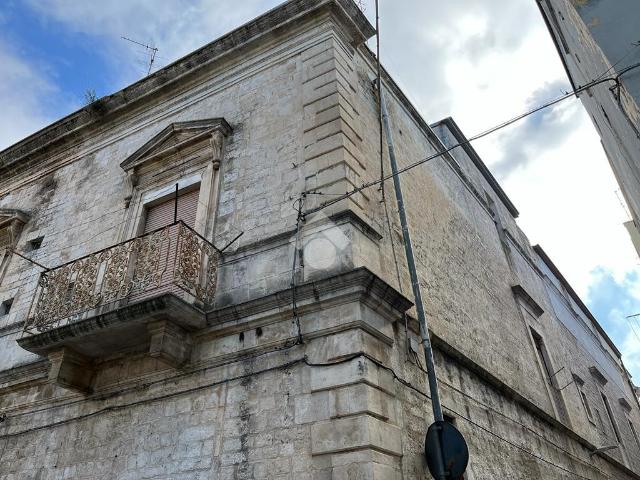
[[465, 273], [345, 404], [79, 208], [348, 402]]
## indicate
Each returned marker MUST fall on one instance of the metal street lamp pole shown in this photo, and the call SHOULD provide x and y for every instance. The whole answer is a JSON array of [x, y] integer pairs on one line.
[[408, 249]]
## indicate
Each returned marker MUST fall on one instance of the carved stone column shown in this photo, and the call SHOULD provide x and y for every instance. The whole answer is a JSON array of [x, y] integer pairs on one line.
[[209, 186]]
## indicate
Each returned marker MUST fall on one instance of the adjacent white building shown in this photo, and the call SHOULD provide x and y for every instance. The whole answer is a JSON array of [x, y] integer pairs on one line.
[[599, 41]]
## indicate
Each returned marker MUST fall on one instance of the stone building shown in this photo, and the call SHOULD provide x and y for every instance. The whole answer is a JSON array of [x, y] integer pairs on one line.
[[599, 40], [140, 337]]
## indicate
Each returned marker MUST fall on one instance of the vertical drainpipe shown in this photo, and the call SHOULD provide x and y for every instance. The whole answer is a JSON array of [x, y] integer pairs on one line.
[[415, 285]]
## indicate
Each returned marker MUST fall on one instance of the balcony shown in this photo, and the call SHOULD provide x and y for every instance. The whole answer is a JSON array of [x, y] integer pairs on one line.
[[145, 294]]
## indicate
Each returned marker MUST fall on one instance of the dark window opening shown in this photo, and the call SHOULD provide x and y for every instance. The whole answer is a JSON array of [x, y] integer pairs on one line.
[[607, 408], [606, 117], [585, 404], [537, 340], [5, 307], [35, 244], [635, 435]]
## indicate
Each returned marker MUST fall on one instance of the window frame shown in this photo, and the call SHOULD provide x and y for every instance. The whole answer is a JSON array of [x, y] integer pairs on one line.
[[610, 416]]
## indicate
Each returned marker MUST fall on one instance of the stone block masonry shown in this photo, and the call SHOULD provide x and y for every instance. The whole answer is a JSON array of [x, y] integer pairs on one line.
[[160, 386]]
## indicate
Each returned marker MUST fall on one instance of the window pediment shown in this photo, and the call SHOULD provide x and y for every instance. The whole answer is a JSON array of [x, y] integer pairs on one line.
[[11, 222], [178, 136], [598, 375]]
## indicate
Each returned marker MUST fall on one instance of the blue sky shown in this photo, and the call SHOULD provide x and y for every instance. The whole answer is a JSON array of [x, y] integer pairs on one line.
[[480, 62], [72, 60]]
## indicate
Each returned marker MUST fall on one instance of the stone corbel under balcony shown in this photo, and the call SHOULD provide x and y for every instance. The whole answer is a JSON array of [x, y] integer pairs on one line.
[[159, 326]]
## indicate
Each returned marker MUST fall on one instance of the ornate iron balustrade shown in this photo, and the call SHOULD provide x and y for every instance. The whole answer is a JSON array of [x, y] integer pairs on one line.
[[173, 259]]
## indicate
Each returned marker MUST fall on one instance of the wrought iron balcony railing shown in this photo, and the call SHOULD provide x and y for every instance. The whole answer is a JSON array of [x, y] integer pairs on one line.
[[173, 259]]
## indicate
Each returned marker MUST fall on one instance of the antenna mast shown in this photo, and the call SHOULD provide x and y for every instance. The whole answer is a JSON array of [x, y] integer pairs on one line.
[[152, 52]]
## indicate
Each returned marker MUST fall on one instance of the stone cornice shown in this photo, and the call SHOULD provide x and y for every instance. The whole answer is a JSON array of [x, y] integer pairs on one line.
[[359, 282], [21, 375], [520, 292]]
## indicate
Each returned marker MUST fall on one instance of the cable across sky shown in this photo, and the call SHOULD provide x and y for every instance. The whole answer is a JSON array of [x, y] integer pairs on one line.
[[485, 133]]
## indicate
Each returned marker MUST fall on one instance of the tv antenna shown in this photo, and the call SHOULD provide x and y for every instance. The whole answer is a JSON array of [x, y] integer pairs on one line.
[[151, 51]]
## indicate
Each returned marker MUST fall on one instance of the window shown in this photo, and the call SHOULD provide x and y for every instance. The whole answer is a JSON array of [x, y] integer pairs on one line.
[[152, 176], [607, 408], [542, 355], [5, 307], [585, 404], [11, 223], [555, 393], [35, 244], [161, 214], [633, 431]]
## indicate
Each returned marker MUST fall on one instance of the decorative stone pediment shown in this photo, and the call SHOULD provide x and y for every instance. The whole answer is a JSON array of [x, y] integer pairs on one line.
[[178, 136], [522, 295], [624, 403], [598, 375], [11, 222]]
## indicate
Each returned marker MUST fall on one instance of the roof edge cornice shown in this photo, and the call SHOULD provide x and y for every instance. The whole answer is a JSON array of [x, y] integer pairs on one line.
[[69, 128]]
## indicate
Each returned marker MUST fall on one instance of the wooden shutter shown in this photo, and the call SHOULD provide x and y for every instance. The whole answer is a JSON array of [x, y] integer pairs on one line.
[[161, 214]]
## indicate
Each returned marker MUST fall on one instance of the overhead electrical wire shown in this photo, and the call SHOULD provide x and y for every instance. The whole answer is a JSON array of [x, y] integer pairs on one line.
[[301, 360], [471, 139], [634, 45]]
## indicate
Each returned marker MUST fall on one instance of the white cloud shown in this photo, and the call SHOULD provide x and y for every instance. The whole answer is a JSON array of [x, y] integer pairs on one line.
[[566, 196], [23, 92], [175, 28]]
